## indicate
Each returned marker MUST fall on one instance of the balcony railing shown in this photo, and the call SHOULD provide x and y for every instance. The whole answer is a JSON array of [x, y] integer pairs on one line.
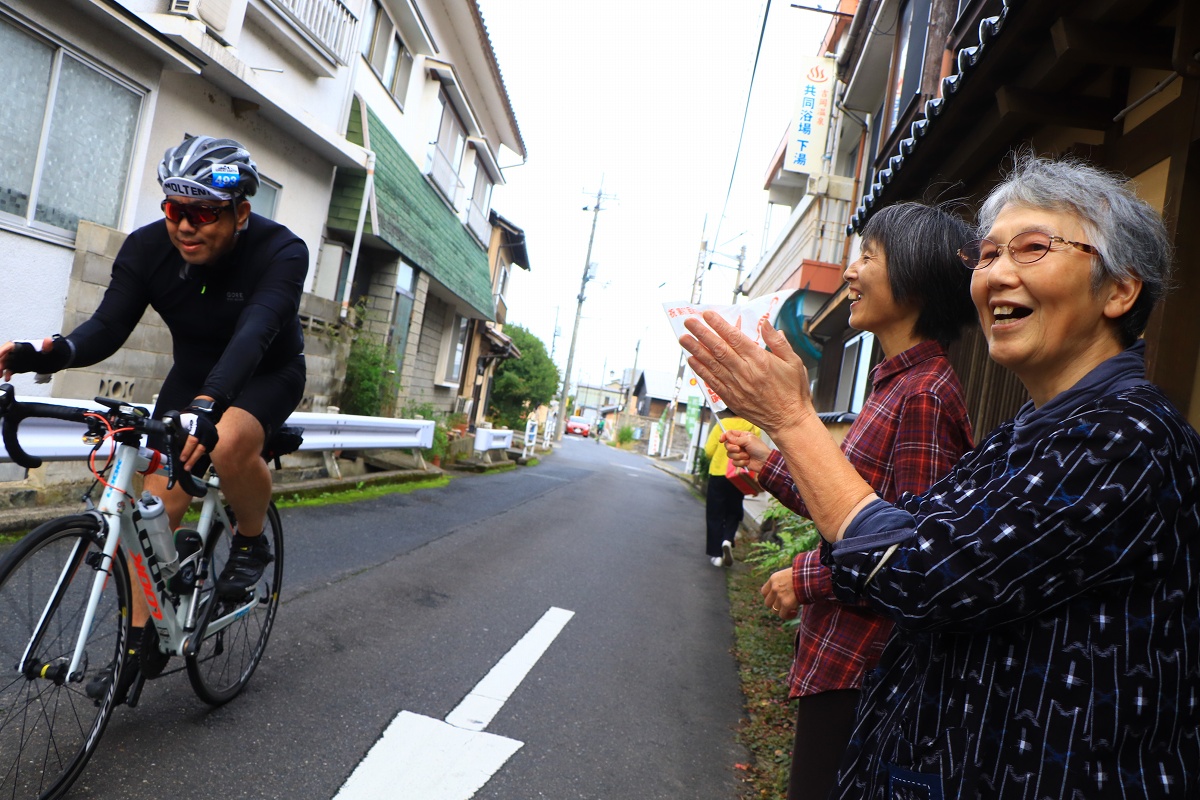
[[477, 221], [328, 24], [444, 176]]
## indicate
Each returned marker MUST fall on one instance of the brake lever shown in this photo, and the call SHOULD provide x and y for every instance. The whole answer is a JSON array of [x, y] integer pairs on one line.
[[176, 473]]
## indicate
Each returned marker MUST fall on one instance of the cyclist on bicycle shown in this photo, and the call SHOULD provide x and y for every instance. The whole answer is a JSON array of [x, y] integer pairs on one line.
[[228, 284]]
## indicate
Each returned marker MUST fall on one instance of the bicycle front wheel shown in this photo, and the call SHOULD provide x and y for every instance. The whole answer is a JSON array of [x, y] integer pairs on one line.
[[238, 629], [49, 727]]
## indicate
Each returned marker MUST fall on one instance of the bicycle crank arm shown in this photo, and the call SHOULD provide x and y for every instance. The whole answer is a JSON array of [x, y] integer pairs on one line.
[[135, 691], [209, 626]]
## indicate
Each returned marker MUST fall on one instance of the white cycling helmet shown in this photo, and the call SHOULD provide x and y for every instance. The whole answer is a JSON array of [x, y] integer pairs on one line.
[[205, 167]]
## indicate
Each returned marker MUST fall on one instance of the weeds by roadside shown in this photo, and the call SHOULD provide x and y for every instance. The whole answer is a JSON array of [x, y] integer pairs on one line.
[[763, 648], [360, 491]]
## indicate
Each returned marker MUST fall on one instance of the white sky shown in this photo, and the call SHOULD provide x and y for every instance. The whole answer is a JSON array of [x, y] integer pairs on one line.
[[648, 97]]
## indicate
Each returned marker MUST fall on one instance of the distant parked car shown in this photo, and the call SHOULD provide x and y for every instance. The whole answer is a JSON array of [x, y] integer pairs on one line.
[[579, 425]]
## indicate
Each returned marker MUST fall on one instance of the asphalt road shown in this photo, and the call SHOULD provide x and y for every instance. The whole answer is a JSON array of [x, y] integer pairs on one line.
[[406, 602]]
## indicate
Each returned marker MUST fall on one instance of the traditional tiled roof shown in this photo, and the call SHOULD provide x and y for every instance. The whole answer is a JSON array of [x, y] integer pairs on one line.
[[989, 29]]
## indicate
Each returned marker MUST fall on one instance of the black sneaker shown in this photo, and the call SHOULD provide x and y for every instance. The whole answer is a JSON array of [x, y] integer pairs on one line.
[[248, 557], [98, 685]]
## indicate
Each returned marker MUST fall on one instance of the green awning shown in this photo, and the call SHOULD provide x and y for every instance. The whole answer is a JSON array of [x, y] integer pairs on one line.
[[413, 217]]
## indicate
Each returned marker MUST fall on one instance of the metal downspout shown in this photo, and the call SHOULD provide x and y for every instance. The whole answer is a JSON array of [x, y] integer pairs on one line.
[[368, 190]]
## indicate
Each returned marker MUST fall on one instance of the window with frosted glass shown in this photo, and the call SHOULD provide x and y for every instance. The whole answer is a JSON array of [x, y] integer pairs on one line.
[[25, 68], [458, 347], [402, 310], [265, 199], [66, 144]]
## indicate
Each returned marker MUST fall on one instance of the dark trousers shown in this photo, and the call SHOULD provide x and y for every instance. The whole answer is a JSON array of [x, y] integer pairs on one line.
[[723, 510], [824, 723]]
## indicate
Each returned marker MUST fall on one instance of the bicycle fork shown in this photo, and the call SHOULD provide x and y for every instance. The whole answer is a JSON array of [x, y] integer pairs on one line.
[[60, 669], [101, 561]]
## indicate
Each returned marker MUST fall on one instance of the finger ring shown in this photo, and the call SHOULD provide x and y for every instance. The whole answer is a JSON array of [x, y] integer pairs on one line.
[[774, 608]]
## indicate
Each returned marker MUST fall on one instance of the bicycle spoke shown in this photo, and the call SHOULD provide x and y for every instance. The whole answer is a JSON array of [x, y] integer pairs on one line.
[[48, 725], [238, 631]]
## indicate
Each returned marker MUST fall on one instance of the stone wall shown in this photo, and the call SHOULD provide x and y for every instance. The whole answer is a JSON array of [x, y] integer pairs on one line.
[[136, 370], [419, 376], [326, 347]]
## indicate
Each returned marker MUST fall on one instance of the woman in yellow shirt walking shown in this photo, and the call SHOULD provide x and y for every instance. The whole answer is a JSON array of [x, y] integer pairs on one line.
[[723, 503]]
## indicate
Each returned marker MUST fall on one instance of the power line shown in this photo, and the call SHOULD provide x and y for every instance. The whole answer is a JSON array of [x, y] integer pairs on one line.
[[745, 114]]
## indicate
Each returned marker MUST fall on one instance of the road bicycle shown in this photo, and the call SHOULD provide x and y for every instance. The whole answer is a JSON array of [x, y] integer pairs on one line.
[[66, 587]]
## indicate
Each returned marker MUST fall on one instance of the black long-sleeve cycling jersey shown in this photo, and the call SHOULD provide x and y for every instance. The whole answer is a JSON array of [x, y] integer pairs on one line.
[[229, 320]]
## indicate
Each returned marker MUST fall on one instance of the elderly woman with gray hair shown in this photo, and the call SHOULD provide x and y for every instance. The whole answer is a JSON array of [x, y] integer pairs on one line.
[[1046, 592]]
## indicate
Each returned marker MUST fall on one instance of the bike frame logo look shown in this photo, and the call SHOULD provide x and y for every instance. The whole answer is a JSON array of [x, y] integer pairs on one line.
[[140, 562]]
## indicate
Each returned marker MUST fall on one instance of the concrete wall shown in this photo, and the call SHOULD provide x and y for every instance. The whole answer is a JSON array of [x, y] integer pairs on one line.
[[420, 363], [137, 369], [326, 347], [36, 274]]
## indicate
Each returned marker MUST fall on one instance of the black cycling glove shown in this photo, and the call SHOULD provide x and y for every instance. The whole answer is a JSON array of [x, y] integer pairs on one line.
[[26, 357], [201, 423]]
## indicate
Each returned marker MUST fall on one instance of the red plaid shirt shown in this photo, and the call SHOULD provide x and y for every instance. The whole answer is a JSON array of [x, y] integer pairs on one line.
[[913, 428]]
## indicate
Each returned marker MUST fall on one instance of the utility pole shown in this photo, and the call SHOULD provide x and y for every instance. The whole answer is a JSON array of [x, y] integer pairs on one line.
[[632, 378], [554, 337], [697, 291], [561, 422], [741, 259]]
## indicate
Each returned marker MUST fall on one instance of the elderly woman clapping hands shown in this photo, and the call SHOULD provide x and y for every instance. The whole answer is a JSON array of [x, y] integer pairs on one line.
[[1045, 592]]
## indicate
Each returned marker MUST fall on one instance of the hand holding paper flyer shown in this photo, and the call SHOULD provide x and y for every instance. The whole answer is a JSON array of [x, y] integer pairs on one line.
[[745, 316]]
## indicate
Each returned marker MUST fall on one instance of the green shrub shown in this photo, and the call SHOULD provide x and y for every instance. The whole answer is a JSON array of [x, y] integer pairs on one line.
[[793, 535], [371, 381], [441, 430], [624, 434]]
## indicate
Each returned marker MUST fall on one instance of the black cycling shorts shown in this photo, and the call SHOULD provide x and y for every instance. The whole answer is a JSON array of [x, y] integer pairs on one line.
[[269, 397]]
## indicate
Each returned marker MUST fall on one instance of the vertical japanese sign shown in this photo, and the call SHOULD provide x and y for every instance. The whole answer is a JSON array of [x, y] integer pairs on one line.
[[810, 124]]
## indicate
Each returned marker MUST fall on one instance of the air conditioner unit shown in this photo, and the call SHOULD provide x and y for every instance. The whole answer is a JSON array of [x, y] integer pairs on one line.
[[462, 405], [213, 13], [834, 186]]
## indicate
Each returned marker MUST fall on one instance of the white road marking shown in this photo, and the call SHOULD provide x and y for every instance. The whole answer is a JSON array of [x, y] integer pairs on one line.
[[419, 758], [477, 708]]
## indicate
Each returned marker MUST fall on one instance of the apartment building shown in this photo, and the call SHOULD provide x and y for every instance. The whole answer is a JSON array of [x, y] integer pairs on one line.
[[415, 231]]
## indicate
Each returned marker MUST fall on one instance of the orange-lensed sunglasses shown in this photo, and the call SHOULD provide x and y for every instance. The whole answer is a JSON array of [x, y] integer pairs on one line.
[[197, 215]]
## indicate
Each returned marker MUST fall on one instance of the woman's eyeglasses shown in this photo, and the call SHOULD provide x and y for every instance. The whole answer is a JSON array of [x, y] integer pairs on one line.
[[1024, 248], [196, 215]]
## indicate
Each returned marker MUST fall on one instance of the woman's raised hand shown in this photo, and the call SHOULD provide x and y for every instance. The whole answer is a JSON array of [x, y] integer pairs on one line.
[[746, 450], [769, 389]]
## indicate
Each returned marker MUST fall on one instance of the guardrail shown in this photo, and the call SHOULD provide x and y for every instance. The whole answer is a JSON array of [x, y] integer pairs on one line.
[[55, 440], [492, 439]]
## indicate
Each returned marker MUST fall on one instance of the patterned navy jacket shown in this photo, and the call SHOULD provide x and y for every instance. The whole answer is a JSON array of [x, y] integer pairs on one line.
[[1047, 600]]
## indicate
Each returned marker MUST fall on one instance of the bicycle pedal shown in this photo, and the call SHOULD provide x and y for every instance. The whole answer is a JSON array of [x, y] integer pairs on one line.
[[151, 659], [135, 691]]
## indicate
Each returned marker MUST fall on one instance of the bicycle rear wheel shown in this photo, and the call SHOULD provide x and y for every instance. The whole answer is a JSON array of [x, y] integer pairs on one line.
[[227, 657], [48, 726]]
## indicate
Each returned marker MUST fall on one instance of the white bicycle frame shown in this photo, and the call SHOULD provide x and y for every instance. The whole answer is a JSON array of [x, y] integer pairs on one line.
[[174, 618]]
